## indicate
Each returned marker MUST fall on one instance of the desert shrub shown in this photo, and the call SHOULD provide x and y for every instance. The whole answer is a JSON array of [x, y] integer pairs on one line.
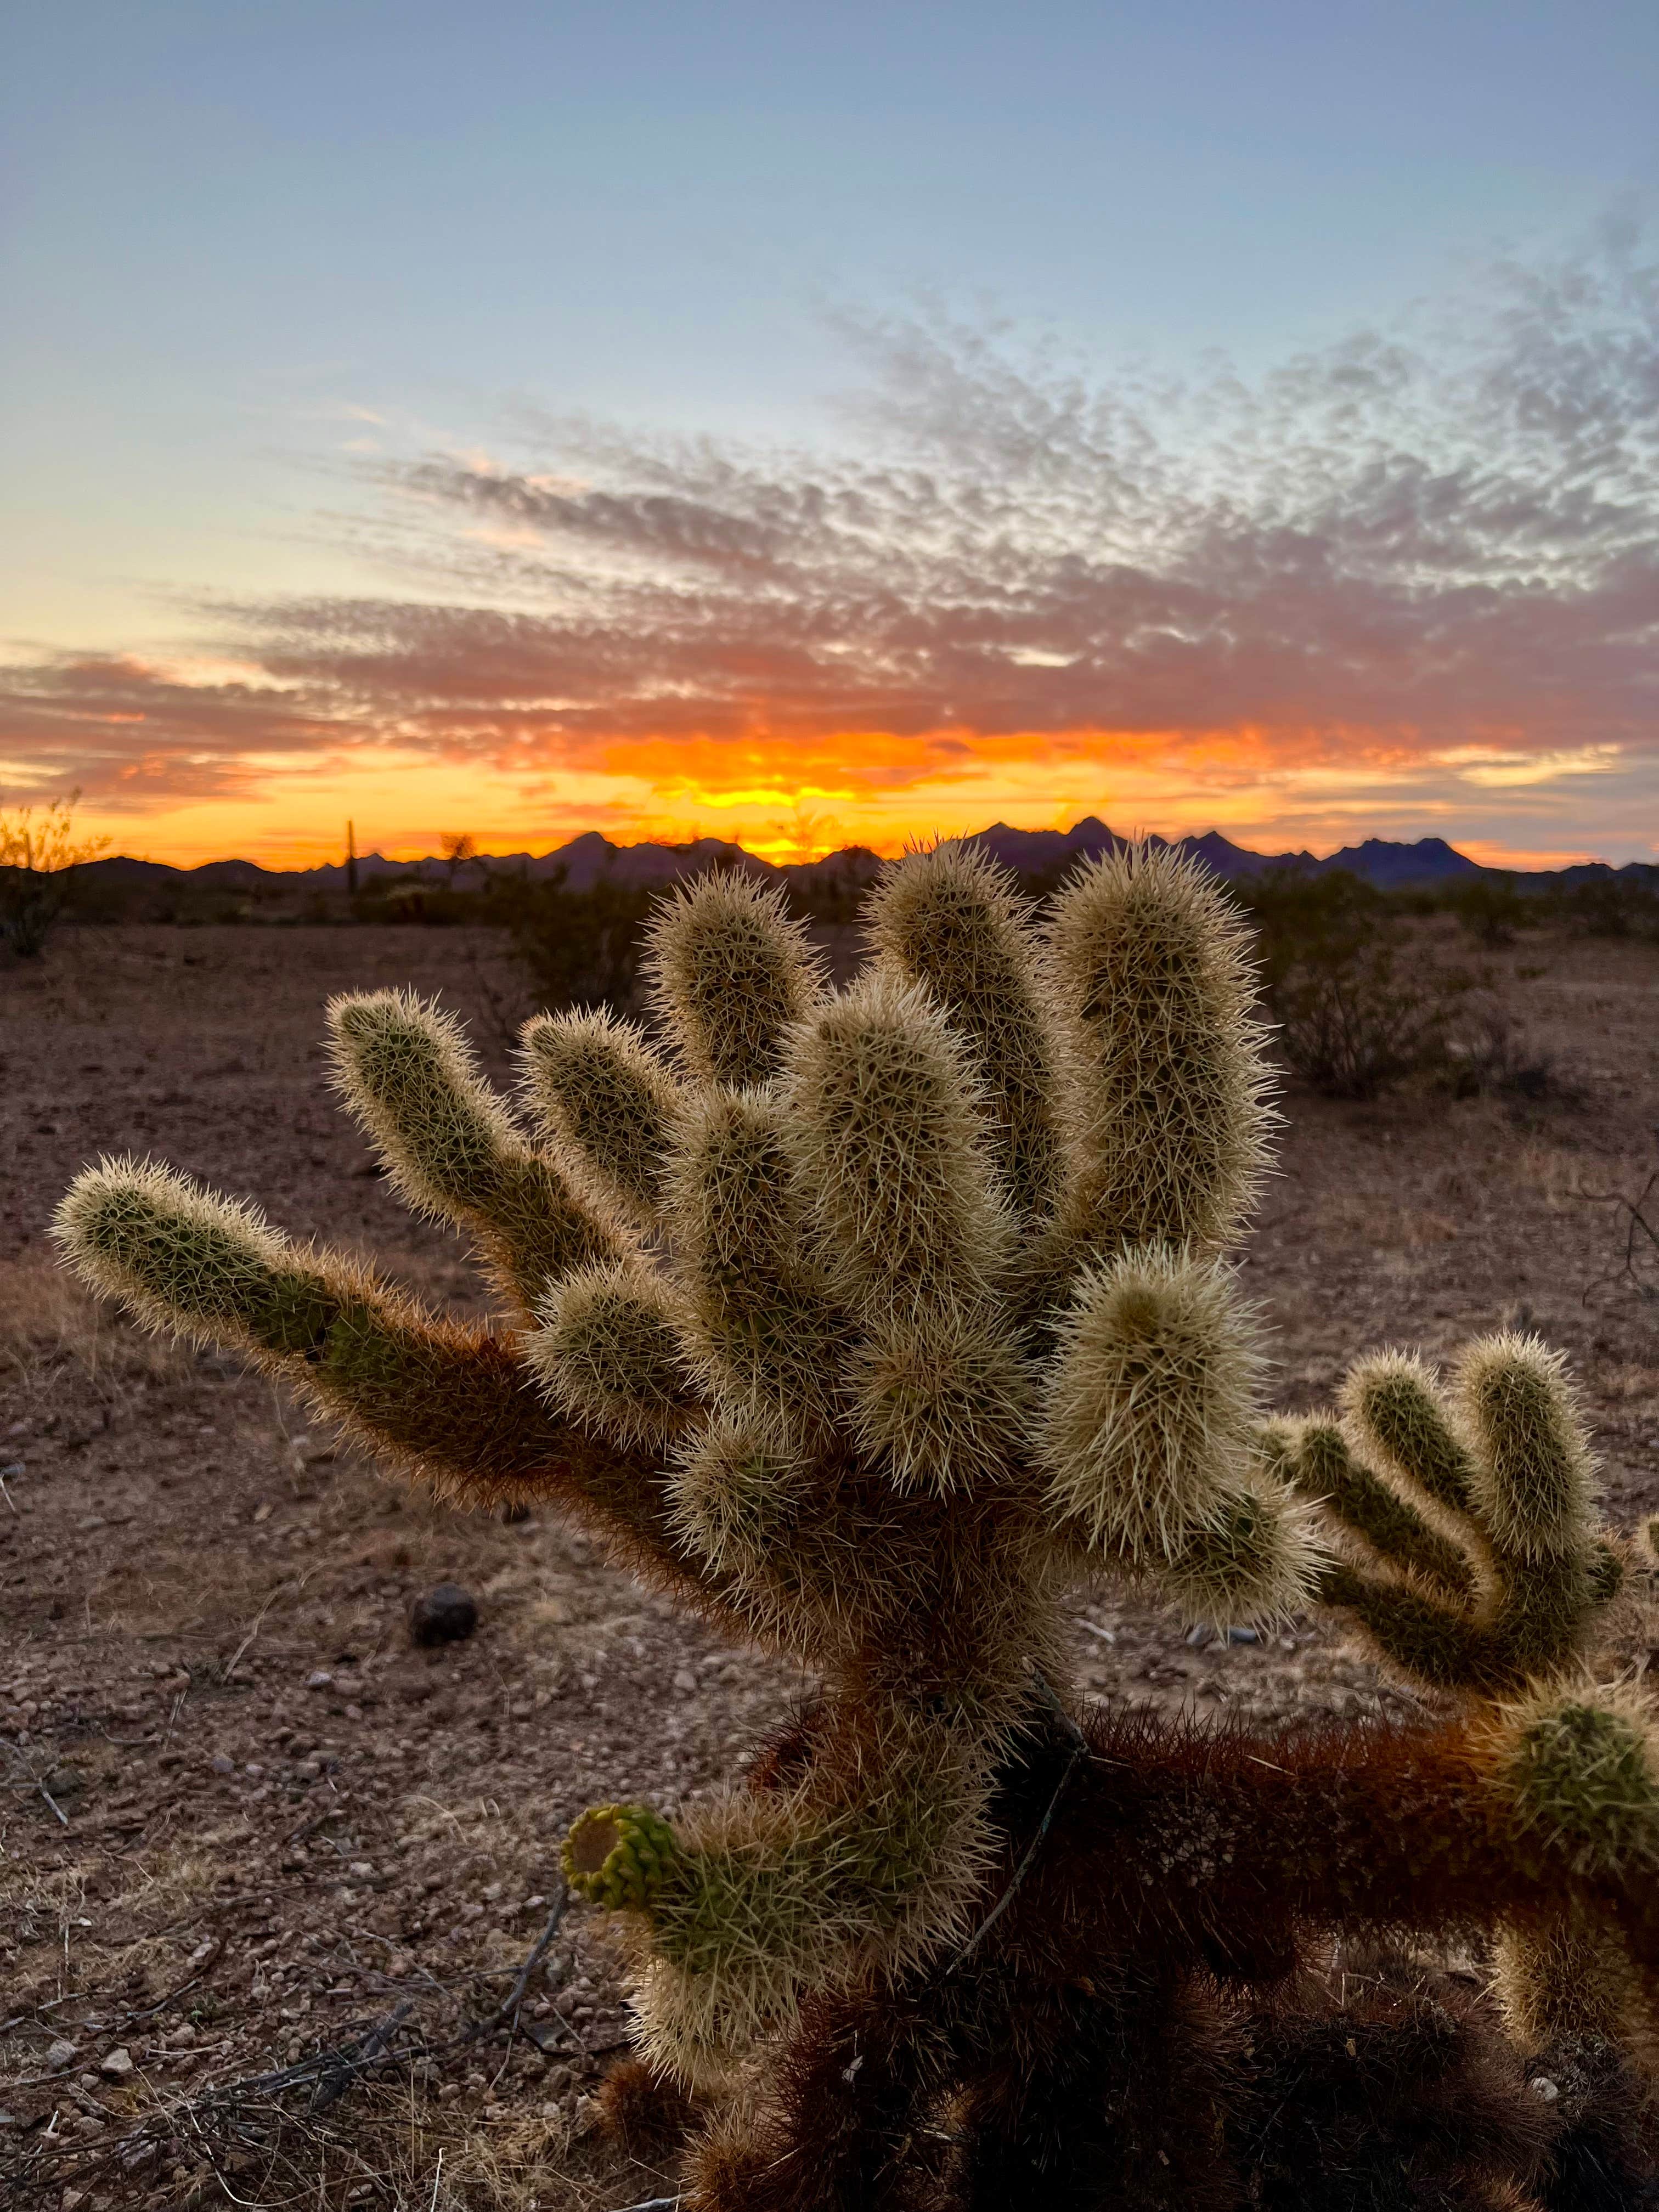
[[40, 853], [577, 948], [1488, 1053], [1358, 1002], [1491, 909], [419, 900], [1609, 905]]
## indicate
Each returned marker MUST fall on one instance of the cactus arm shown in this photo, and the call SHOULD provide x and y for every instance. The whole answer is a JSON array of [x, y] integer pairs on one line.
[[1151, 987], [1150, 1400], [755, 1899], [1532, 1485], [452, 1405], [606, 1104], [1396, 1419], [951, 919], [1229, 1835], [1533, 1478], [458, 1409], [1414, 1630], [768, 1334], [1314, 1458], [1482, 1567], [610, 1353], [730, 973], [1567, 1979], [891, 1143], [450, 1148]]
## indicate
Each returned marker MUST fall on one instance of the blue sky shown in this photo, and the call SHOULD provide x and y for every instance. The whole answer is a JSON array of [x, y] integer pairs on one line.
[[256, 253]]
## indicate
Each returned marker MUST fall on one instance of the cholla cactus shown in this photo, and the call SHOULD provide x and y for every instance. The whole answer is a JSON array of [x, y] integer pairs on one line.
[[1474, 1564], [872, 1325]]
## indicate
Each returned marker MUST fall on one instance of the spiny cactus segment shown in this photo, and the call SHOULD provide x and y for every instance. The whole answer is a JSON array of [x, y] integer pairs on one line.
[[1473, 1561], [1580, 1767]]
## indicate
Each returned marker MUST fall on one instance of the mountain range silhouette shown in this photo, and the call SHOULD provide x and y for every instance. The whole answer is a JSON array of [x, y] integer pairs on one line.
[[591, 858]]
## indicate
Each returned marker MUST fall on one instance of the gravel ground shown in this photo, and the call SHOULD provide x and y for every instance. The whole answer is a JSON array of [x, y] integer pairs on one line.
[[246, 1822]]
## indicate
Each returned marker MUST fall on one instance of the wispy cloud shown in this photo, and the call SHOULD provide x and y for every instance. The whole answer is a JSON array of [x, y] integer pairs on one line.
[[1422, 563]]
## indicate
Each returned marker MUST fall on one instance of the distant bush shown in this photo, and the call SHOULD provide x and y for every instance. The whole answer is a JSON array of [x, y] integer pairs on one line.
[[40, 853], [1357, 1006], [1609, 905], [1491, 908], [419, 899], [1490, 1054], [580, 948]]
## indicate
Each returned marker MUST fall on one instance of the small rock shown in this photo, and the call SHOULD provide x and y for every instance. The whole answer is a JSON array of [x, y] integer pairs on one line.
[[8, 2119], [322, 1679], [1543, 2087], [115, 2065], [443, 1614], [1198, 1633], [1242, 1636], [685, 1681], [61, 2054], [222, 1765], [361, 1871]]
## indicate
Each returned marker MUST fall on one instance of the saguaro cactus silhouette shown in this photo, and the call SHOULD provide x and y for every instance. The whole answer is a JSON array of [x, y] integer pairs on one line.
[[871, 1324]]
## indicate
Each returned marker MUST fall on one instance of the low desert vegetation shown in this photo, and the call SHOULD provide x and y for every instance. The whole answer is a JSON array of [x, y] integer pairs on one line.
[[40, 852]]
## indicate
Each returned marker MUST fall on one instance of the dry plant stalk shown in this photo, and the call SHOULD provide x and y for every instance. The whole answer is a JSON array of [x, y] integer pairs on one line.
[[871, 1326]]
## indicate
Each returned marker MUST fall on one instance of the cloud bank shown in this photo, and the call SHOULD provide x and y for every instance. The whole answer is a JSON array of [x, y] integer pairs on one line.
[[1417, 570]]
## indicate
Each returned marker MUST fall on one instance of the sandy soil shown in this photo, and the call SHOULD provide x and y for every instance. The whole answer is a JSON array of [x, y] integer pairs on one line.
[[243, 1822]]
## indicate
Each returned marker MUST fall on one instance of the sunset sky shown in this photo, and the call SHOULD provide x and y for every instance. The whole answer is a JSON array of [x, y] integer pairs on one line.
[[831, 423]]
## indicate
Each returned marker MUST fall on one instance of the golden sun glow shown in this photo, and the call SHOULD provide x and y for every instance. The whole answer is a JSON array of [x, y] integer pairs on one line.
[[794, 800]]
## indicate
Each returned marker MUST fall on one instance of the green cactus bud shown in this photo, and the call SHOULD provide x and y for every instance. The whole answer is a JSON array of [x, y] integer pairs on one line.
[[1395, 1415], [607, 1103], [610, 1350], [1580, 1768], [951, 919], [1151, 1404], [449, 1145], [891, 1145], [1150, 977], [180, 1257], [1534, 1473], [619, 1856], [730, 973]]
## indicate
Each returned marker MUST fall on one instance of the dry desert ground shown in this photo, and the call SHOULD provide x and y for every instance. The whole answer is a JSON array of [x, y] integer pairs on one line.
[[246, 1822]]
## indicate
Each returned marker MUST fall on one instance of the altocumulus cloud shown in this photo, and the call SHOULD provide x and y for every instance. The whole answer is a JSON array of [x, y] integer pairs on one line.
[[1431, 555]]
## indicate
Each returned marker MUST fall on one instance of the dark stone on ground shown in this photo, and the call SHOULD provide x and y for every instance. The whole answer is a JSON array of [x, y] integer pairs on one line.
[[443, 1614]]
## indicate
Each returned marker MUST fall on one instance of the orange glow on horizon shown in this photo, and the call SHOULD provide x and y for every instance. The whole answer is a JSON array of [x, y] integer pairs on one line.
[[797, 798]]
